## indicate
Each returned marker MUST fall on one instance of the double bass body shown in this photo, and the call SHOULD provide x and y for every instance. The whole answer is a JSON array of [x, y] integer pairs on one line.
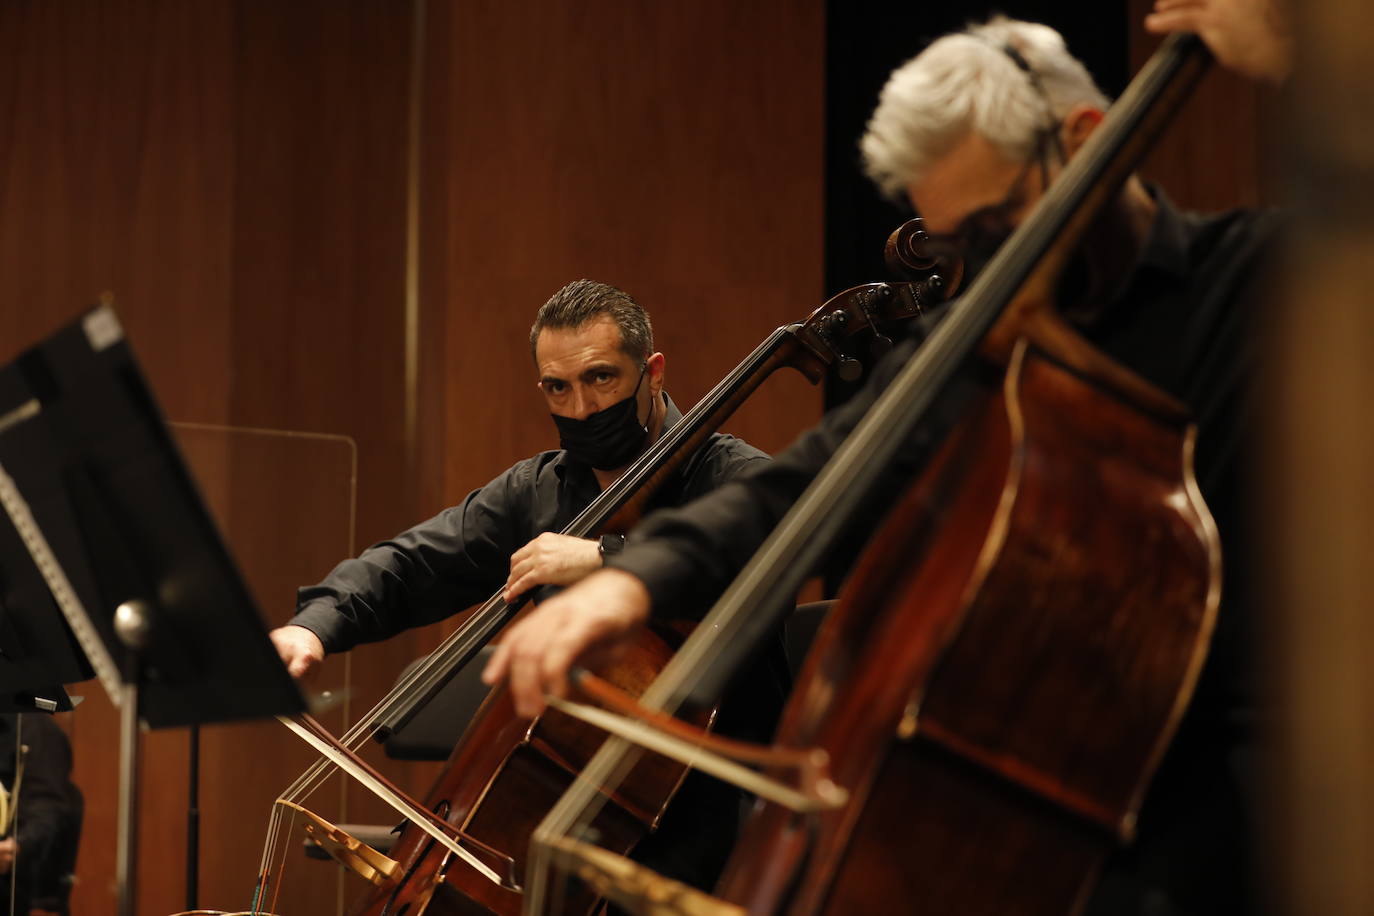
[[1002, 675], [526, 766]]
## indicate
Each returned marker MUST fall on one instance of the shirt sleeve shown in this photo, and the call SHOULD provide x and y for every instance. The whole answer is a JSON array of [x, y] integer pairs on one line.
[[687, 556], [453, 561]]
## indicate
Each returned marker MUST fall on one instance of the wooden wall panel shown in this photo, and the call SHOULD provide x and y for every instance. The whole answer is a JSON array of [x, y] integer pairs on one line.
[[1212, 157], [300, 519], [318, 241], [320, 142], [115, 174], [235, 171], [231, 172], [673, 150]]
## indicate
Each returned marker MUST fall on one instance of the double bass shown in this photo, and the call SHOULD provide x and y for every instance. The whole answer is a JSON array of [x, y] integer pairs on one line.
[[507, 771], [1018, 642]]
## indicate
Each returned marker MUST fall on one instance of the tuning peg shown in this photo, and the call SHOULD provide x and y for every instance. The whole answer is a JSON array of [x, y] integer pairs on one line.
[[833, 324]]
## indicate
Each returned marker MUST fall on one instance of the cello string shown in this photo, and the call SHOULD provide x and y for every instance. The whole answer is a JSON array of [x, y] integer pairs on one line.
[[276, 848], [266, 868], [286, 822], [309, 732], [273, 841]]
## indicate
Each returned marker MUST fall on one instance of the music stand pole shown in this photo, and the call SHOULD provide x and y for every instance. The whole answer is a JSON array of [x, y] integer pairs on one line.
[[131, 623], [127, 849], [193, 822]]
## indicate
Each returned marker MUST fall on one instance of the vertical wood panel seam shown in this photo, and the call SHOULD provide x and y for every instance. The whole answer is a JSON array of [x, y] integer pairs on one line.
[[412, 280]]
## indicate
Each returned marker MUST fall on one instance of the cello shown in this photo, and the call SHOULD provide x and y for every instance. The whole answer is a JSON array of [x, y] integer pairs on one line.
[[996, 686], [498, 751]]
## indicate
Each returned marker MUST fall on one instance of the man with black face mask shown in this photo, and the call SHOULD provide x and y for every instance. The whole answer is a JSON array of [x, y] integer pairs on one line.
[[593, 347], [603, 381]]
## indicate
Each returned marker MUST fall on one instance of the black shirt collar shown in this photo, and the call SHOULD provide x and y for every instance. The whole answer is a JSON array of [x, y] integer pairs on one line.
[[1166, 247], [1163, 259]]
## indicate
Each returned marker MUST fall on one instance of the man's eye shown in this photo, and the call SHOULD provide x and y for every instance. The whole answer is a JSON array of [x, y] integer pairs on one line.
[[553, 387], [604, 377]]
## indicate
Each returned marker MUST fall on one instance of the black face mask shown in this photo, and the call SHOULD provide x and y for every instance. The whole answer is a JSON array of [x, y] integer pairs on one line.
[[981, 233], [608, 439]]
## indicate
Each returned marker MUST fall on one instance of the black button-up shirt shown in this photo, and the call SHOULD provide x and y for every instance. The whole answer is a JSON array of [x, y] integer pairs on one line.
[[461, 557]]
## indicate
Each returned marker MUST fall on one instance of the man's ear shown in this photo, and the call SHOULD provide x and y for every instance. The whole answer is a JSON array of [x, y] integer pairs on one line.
[[654, 370], [1078, 126]]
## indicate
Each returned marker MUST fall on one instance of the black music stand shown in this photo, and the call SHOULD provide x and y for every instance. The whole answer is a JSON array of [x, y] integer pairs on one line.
[[98, 504]]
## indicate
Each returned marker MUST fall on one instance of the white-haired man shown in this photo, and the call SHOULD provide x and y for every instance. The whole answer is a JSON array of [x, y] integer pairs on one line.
[[972, 132]]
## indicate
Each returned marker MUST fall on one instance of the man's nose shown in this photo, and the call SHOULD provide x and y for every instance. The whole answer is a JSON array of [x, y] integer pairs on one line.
[[584, 403]]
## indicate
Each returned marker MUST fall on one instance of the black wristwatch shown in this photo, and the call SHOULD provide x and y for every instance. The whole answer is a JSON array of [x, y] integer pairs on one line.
[[610, 545]]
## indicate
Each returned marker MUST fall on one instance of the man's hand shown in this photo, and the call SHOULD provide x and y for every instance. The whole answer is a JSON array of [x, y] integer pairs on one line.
[[9, 848], [300, 650], [550, 559], [1250, 37], [536, 653]]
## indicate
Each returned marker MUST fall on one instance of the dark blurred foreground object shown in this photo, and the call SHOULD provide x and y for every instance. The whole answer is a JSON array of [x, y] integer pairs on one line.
[[1322, 481], [47, 822]]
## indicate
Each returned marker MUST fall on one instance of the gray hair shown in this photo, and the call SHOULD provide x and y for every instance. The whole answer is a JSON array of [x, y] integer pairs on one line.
[[969, 81], [582, 301]]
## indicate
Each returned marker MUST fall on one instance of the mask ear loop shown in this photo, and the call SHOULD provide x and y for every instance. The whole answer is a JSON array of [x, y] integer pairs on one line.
[[1050, 132], [643, 370]]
